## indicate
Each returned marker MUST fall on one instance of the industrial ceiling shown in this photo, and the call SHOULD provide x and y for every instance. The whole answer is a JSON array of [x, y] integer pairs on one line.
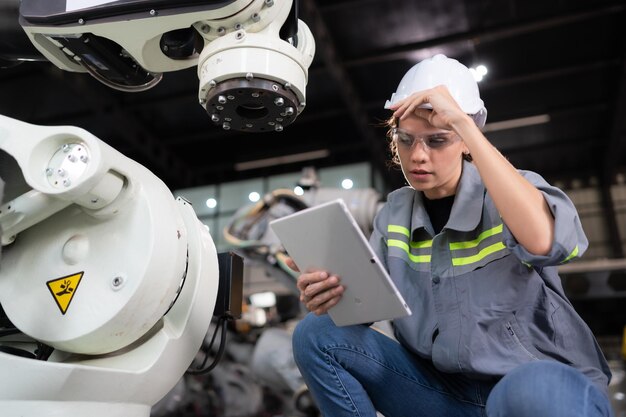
[[555, 92]]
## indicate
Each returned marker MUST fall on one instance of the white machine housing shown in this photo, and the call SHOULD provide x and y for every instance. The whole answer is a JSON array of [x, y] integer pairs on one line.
[[142, 270], [250, 78]]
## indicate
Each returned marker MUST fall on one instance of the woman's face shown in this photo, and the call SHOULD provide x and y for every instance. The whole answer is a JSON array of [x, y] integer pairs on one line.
[[431, 158]]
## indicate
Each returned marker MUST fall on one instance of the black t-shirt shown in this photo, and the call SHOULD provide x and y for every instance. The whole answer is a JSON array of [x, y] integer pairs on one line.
[[438, 210]]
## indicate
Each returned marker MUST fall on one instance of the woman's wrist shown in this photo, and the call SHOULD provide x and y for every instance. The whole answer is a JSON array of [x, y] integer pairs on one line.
[[464, 125]]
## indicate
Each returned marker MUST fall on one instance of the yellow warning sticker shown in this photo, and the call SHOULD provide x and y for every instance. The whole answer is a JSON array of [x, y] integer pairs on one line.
[[63, 289]]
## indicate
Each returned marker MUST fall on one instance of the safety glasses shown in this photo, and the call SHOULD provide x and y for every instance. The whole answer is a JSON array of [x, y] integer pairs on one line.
[[435, 141]]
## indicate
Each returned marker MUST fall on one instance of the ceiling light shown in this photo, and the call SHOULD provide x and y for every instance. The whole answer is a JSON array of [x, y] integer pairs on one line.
[[211, 203], [476, 75], [254, 196], [479, 72]]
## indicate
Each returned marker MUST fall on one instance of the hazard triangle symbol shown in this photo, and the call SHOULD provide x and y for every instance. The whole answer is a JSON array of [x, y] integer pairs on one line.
[[63, 289]]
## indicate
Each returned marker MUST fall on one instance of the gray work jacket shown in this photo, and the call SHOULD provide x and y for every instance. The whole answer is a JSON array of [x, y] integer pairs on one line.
[[481, 303]]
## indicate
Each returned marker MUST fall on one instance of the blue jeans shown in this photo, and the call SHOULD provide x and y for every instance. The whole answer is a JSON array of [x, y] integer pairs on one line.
[[355, 370]]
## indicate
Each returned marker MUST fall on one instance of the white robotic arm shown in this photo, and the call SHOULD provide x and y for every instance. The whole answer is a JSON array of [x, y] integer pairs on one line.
[[252, 55], [109, 282], [101, 263]]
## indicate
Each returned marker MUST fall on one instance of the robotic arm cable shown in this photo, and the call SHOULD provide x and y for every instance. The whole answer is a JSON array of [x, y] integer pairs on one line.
[[220, 327]]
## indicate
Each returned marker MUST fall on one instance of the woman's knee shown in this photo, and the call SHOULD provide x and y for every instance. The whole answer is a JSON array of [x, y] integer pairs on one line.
[[306, 335], [542, 388], [313, 333]]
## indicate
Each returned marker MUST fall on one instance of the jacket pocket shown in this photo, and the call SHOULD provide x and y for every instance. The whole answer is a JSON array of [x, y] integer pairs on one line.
[[517, 340]]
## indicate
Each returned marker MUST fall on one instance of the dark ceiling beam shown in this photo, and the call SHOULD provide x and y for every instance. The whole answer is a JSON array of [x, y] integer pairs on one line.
[[24, 70], [328, 51], [487, 34], [210, 171], [549, 74], [344, 4], [213, 134], [182, 139], [552, 146], [158, 158]]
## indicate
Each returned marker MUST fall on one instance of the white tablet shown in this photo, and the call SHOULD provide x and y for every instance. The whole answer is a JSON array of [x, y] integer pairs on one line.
[[326, 237]]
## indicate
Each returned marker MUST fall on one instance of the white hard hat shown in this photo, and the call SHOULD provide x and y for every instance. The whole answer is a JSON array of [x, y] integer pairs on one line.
[[441, 70]]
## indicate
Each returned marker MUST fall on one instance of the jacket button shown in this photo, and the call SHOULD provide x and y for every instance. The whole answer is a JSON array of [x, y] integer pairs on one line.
[[436, 280]]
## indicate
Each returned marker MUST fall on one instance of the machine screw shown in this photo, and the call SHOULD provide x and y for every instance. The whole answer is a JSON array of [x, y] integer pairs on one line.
[[67, 182], [84, 159], [219, 107], [271, 123], [238, 26], [269, 3], [215, 118], [221, 31], [256, 17], [221, 100], [279, 101], [249, 76], [287, 85], [153, 12], [81, 21], [289, 111], [205, 28], [72, 158], [239, 35], [61, 172], [230, 97], [49, 172], [255, 95], [248, 125], [94, 200], [65, 148], [226, 126], [212, 83], [228, 119], [117, 282], [279, 119], [202, 101], [278, 127]]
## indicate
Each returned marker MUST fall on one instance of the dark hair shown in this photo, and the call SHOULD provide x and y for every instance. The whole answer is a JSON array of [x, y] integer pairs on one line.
[[392, 123]]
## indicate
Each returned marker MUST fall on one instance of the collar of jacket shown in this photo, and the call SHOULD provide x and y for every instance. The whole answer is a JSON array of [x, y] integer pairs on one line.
[[468, 203]]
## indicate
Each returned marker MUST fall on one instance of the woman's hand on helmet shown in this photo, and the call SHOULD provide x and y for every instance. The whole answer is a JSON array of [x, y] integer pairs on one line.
[[319, 291], [445, 110]]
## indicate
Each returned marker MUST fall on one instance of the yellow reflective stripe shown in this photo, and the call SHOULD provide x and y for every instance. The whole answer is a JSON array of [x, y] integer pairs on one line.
[[473, 243], [398, 229], [480, 255], [422, 244], [571, 255], [393, 228], [403, 245]]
